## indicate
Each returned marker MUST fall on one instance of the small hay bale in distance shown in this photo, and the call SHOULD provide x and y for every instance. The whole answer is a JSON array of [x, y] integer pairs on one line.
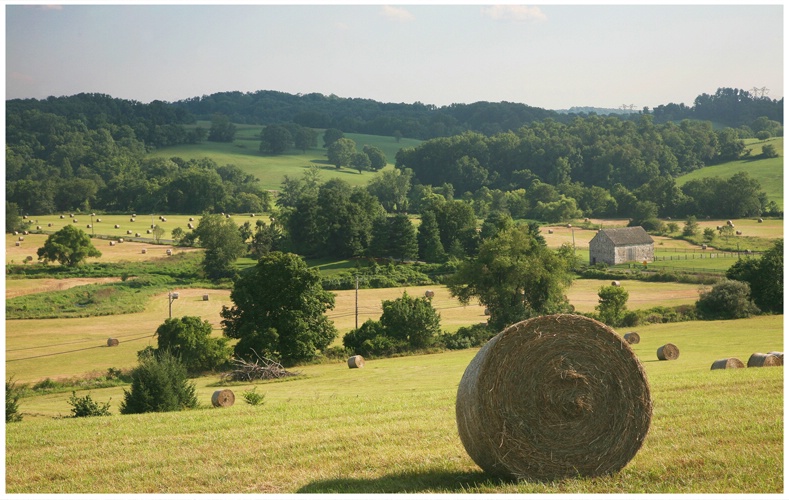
[[632, 338], [668, 352], [759, 359], [727, 363], [144, 250], [430, 294], [616, 283], [205, 296], [111, 342], [554, 397], [117, 226], [17, 244], [550, 231], [356, 362], [223, 398], [760, 220], [169, 252]]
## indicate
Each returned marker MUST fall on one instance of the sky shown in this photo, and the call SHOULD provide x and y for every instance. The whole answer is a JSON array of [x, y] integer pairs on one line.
[[549, 56]]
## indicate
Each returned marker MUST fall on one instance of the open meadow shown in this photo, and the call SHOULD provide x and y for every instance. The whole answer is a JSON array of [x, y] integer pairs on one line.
[[390, 428]]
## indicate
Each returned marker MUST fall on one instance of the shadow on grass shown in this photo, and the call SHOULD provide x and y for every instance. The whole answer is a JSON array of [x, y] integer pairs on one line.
[[421, 482]]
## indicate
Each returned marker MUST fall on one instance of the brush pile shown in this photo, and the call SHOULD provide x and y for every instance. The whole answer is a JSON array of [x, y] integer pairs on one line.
[[258, 369]]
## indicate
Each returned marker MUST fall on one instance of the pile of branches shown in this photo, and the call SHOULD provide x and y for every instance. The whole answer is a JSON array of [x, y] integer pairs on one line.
[[259, 369]]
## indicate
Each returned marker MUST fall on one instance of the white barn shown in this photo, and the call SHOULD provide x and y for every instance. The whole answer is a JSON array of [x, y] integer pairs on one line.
[[622, 244]]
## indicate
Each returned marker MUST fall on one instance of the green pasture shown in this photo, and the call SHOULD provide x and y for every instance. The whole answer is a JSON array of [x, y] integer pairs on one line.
[[768, 171], [390, 428], [244, 153]]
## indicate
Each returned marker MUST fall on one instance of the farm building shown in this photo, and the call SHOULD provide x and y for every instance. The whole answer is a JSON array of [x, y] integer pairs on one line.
[[619, 245]]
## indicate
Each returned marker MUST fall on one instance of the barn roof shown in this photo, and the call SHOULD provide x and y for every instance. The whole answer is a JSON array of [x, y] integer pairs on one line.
[[621, 236]]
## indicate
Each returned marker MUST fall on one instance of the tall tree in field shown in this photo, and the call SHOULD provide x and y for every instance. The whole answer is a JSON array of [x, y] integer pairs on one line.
[[402, 238], [765, 276], [429, 239], [515, 277], [222, 130], [377, 157], [331, 135], [69, 246], [275, 139], [341, 152], [279, 311], [223, 245], [612, 304]]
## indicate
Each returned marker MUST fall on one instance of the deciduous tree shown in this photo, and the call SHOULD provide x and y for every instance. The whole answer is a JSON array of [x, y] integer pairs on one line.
[[69, 246]]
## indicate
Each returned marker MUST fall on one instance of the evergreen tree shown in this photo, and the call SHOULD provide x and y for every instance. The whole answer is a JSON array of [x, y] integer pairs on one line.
[[429, 240], [402, 238]]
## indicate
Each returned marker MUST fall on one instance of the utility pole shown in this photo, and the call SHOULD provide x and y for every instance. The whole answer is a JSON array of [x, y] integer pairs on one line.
[[171, 296]]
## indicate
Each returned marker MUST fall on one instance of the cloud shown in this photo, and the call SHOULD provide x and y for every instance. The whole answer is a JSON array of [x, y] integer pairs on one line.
[[396, 13], [520, 13]]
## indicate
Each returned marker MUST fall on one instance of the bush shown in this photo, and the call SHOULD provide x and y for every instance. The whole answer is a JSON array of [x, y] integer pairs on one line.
[[728, 299], [468, 336], [189, 339], [159, 383], [13, 393], [86, 407], [252, 397]]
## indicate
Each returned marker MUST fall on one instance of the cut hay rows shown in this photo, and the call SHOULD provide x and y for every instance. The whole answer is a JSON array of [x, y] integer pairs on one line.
[[668, 352], [727, 363], [758, 360], [554, 397]]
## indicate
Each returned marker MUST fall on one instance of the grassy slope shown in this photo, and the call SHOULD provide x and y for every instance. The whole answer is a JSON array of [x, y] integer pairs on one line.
[[390, 427], [769, 172], [243, 152]]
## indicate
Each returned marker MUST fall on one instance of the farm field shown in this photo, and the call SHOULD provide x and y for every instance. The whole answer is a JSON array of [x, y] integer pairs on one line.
[[768, 171], [244, 153], [40, 348], [390, 428]]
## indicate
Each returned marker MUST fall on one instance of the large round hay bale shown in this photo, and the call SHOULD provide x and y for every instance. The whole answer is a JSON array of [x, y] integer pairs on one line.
[[223, 398], [553, 397], [779, 354], [759, 359], [632, 337], [667, 352], [726, 363], [112, 342], [356, 362]]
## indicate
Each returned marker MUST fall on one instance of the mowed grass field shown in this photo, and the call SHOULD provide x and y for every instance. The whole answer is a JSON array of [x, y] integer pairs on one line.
[[390, 428], [768, 171], [244, 153], [62, 348]]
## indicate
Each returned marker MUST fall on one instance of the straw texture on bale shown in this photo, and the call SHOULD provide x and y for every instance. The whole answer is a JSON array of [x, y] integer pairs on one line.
[[726, 363], [758, 360], [632, 338], [355, 362], [223, 398], [553, 397], [668, 352], [779, 354], [112, 342]]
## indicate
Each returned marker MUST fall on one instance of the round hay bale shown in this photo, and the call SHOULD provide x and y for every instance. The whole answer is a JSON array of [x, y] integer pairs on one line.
[[356, 362], [668, 352], [223, 398], [191, 219], [615, 283], [38, 227], [120, 240], [779, 354], [112, 342], [430, 294], [21, 238], [169, 252], [148, 231], [137, 235], [98, 220], [730, 223], [726, 363], [131, 219], [17, 244], [75, 221], [112, 243], [144, 250], [487, 311], [738, 233], [71, 215], [134, 215], [128, 231], [569, 226], [758, 360], [205, 297], [89, 226], [761, 220], [553, 397], [251, 215], [62, 216], [49, 224], [632, 338], [550, 231], [704, 246]]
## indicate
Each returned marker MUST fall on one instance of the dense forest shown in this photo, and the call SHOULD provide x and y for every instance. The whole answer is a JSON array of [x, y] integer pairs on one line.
[[88, 152]]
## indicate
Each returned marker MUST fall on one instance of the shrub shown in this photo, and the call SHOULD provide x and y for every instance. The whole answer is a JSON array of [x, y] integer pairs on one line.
[[86, 407], [13, 393], [252, 397], [728, 299], [159, 383], [468, 336], [189, 339]]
